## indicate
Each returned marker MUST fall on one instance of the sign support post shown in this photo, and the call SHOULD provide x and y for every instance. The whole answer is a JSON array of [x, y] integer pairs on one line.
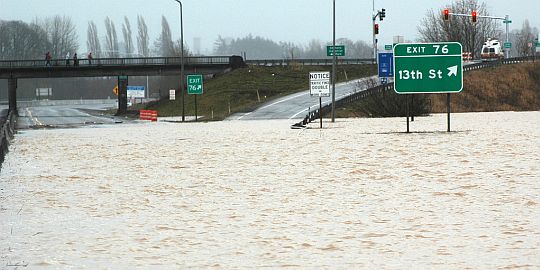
[[412, 108], [408, 113], [195, 87], [195, 108], [428, 68], [319, 85], [448, 110], [320, 108]]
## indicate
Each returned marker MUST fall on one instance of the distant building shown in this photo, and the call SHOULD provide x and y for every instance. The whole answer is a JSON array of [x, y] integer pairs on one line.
[[197, 46]]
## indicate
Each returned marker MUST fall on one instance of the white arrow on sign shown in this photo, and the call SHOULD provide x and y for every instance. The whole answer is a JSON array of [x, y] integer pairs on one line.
[[452, 71]]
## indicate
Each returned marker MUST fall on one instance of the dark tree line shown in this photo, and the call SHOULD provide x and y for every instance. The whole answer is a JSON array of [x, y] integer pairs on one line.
[[20, 40]]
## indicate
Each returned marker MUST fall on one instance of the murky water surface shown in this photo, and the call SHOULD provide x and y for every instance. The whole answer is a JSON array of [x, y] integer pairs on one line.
[[259, 195]]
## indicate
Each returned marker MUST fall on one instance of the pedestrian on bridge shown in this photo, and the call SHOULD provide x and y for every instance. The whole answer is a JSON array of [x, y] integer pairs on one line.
[[90, 58], [48, 58], [75, 60], [67, 59]]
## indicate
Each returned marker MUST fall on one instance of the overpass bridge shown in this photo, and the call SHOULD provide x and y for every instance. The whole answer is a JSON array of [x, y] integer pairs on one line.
[[111, 67]]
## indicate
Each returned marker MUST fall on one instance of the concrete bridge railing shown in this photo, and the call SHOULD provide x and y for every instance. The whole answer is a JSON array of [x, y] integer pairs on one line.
[[139, 61]]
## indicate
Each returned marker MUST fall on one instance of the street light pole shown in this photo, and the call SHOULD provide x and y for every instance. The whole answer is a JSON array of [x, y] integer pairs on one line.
[[182, 60], [334, 60]]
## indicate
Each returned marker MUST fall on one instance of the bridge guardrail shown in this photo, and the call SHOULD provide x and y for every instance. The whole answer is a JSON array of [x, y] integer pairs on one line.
[[309, 62], [390, 87], [6, 134], [195, 60]]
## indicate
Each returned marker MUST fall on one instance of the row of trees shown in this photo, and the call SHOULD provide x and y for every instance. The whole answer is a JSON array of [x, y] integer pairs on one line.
[[261, 48], [58, 36], [113, 47]]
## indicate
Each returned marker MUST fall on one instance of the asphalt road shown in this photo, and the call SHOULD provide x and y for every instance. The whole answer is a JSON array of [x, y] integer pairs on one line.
[[297, 105], [62, 116]]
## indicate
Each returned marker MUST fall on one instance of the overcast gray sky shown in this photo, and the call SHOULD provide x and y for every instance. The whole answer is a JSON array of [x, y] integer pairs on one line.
[[281, 20]]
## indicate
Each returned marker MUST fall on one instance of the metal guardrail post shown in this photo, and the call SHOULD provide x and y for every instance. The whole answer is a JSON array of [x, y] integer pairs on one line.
[[6, 134]]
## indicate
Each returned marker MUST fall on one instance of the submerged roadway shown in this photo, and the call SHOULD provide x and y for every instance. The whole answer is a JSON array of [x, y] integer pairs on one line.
[[63, 116], [296, 106]]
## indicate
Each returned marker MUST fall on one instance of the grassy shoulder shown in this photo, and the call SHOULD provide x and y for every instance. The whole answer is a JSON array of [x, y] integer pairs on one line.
[[244, 89], [504, 88]]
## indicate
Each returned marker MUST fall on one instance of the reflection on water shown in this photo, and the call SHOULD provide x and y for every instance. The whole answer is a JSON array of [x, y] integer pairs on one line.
[[252, 195]]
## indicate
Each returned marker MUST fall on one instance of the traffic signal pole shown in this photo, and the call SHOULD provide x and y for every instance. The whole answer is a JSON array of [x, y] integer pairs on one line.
[[506, 20], [381, 14]]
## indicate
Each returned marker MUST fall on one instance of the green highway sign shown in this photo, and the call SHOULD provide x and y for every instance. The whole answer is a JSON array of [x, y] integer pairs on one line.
[[195, 84], [507, 21], [507, 45], [537, 44], [388, 47], [428, 68], [339, 49]]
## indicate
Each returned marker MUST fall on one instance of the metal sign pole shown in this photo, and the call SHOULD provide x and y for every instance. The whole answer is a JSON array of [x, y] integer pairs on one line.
[[320, 109], [196, 108], [448, 110], [412, 108], [407, 101]]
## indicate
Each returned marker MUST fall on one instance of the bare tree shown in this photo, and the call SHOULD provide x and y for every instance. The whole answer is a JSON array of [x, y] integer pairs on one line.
[[290, 50], [111, 39], [164, 45], [128, 41], [143, 41], [92, 41], [221, 46], [358, 49], [177, 49], [314, 49], [525, 44], [460, 29], [61, 33]]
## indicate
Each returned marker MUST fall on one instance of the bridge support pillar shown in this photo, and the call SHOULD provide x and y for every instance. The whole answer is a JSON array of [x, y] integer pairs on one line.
[[122, 95], [12, 94]]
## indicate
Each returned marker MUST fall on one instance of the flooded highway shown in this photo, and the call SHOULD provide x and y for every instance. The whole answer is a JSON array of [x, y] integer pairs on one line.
[[357, 194]]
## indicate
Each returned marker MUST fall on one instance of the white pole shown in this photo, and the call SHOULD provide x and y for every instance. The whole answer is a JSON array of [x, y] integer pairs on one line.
[[333, 66], [507, 51]]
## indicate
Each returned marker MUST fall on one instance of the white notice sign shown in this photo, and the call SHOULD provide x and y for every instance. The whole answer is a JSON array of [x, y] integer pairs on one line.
[[172, 94], [319, 83]]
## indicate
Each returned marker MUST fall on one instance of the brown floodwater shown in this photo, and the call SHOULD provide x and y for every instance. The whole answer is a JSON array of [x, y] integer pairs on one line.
[[359, 193]]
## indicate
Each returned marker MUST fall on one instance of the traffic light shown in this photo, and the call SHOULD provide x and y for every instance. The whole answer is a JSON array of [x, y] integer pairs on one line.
[[383, 14], [446, 13], [376, 29], [474, 16]]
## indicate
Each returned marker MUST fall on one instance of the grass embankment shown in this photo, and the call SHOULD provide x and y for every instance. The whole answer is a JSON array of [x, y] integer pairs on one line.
[[504, 88], [244, 89]]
